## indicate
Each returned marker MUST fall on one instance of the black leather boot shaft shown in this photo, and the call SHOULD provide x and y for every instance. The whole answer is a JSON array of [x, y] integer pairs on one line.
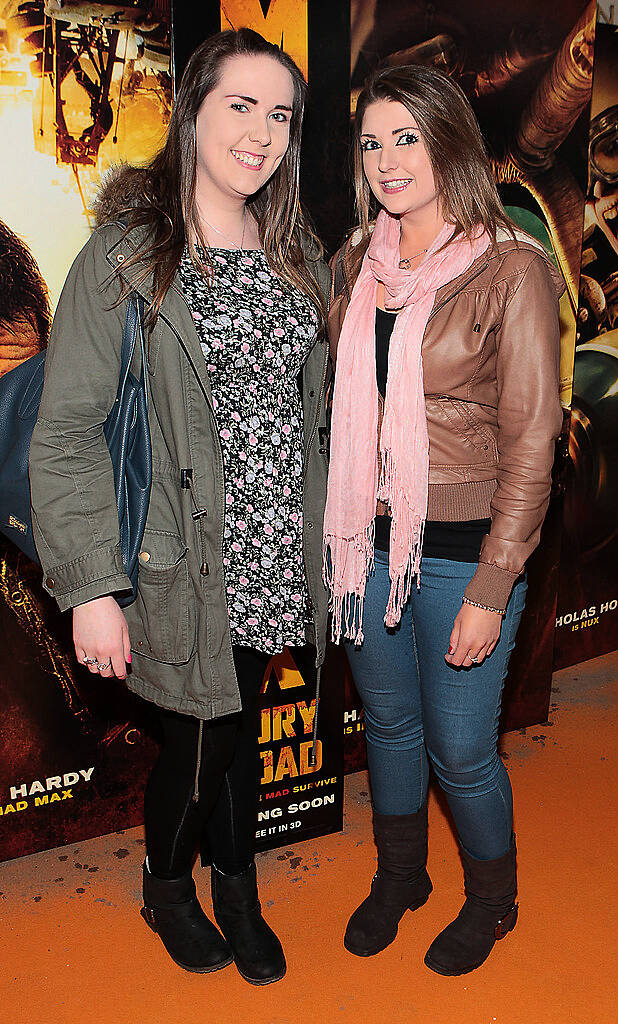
[[257, 951], [401, 882], [488, 914], [172, 910]]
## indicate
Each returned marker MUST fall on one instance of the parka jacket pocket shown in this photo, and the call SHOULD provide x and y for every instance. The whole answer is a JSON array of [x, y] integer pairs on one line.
[[162, 621]]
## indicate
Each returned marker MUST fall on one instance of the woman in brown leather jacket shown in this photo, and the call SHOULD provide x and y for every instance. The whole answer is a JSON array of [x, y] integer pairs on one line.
[[444, 331]]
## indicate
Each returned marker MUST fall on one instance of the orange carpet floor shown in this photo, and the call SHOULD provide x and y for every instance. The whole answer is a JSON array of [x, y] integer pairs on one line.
[[75, 950]]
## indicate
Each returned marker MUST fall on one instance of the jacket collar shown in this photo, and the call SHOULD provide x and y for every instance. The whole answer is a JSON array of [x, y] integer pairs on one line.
[[355, 248], [174, 309], [125, 245]]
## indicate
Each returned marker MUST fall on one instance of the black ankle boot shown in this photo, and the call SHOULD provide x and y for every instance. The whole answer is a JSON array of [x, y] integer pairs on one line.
[[489, 913], [257, 950], [401, 882], [171, 909]]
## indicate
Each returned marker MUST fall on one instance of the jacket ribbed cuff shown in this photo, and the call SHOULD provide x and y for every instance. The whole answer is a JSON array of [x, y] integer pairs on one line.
[[491, 586], [96, 574]]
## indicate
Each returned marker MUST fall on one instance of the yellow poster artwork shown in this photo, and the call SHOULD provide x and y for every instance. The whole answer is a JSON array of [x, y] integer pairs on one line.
[[283, 22]]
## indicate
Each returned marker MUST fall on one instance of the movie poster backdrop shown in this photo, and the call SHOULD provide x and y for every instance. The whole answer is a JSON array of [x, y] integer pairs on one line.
[[78, 95], [587, 615], [527, 70]]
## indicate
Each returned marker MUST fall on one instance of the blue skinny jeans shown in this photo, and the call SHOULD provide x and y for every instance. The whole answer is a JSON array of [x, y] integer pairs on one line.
[[419, 710]]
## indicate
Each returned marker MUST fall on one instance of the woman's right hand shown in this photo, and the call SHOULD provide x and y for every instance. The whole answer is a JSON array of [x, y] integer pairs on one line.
[[100, 631]]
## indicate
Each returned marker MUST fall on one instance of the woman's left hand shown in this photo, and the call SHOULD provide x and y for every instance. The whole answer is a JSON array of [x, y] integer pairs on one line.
[[476, 632]]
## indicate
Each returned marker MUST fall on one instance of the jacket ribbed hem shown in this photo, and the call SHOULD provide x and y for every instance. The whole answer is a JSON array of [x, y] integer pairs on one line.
[[491, 586], [457, 502]]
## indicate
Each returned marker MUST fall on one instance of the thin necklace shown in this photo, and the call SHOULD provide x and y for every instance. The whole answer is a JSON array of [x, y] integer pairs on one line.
[[405, 264], [227, 237]]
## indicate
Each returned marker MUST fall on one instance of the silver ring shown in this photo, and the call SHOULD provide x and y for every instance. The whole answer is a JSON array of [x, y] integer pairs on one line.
[[90, 661], [105, 666], [474, 661]]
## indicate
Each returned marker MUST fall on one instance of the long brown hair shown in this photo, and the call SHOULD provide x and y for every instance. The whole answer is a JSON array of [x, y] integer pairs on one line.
[[465, 186], [161, 197]]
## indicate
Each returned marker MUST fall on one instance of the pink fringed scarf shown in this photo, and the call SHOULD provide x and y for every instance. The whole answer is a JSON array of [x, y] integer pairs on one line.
[[353, 485]]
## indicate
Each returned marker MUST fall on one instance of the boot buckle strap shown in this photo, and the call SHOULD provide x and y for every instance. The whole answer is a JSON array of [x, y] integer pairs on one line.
[[149, 917], [506, 923]]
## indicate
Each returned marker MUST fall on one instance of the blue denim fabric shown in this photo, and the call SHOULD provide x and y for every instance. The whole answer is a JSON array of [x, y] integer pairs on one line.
[[419, 710]]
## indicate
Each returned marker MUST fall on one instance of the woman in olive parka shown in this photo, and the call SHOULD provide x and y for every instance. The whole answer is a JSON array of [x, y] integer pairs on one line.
[[212, 235]]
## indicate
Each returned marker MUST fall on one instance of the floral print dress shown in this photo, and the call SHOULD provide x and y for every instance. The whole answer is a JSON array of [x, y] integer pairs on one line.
[[255, 334]]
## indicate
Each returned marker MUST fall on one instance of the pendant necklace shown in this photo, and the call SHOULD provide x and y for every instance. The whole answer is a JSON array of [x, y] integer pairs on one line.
[[405, 264], [227, 237]]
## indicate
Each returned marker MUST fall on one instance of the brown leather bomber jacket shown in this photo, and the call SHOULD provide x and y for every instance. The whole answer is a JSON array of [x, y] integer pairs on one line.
[[491, 377]]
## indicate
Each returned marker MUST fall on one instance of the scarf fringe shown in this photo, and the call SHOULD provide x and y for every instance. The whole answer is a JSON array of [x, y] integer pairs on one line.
[[346, 563], [402, 583]]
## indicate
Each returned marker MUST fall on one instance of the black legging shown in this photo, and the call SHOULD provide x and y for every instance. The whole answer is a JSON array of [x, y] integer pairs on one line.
[[225, 815]]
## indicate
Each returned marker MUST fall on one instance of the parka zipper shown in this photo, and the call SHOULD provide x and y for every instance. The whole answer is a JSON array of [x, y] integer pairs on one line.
[[314, 737], [200, 518], [211, 407]]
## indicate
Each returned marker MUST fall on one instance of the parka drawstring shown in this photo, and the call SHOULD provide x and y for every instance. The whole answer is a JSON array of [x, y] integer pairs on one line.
[[314, 738], [198, 763]]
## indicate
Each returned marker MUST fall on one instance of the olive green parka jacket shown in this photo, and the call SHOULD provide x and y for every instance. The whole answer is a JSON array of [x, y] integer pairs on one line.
[[178, 626]]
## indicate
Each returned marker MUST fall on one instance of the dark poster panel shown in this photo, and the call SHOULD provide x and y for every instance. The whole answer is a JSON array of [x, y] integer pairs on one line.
[[296, 799], [191, 23], [325, 162], [587, 616], [527, 70]]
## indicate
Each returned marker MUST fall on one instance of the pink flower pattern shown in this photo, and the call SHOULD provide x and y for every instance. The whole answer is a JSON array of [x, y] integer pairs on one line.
[[255, 337]]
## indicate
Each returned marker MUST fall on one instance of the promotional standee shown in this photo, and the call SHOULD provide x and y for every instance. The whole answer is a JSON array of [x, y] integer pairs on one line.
[[300, 792]]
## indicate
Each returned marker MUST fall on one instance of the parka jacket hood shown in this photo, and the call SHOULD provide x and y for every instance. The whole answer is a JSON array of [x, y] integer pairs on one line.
[[117, 192], [178, 626]]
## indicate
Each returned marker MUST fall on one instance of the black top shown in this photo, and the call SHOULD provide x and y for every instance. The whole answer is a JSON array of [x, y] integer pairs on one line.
[[459, 542]]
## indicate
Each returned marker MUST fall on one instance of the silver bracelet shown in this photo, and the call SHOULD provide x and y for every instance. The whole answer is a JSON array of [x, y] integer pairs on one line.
[[485, 607]]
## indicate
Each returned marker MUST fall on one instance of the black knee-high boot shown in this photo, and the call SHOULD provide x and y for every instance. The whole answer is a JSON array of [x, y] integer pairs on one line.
[[489, 913], [401, 882]]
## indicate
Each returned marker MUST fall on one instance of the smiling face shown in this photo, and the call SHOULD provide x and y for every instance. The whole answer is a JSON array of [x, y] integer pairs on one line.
[[396, 162], [243, 127]]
